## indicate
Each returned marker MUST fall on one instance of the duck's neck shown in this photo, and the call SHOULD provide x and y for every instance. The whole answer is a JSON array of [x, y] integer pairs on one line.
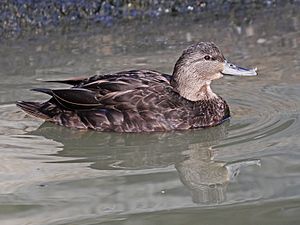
[[193, 90]]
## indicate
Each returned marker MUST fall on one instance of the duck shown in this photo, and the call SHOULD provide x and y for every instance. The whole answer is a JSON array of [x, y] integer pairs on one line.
[[143, 100]]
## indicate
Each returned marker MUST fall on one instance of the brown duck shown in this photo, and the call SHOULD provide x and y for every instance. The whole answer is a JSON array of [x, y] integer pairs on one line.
[[144, 100]]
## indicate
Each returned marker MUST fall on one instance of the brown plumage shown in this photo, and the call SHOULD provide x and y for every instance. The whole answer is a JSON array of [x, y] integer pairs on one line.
[[141, 100]]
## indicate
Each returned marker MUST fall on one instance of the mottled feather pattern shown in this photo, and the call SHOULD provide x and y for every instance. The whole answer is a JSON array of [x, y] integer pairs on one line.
[[131, 101]]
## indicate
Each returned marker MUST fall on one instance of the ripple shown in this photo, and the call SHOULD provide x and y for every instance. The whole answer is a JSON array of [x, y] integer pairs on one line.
[[14, 121], [262, 116]]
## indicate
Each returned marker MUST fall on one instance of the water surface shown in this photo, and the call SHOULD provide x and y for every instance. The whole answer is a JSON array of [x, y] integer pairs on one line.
[[245, 171]]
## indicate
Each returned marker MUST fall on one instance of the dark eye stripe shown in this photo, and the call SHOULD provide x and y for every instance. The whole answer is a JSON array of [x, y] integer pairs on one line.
[[197, 60]]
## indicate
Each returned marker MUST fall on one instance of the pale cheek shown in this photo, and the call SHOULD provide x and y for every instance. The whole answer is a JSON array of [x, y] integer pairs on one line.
[[217, 76], [220, 75]]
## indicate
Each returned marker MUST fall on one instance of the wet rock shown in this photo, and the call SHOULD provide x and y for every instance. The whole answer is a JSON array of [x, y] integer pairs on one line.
[[20, 16], [261, 41]]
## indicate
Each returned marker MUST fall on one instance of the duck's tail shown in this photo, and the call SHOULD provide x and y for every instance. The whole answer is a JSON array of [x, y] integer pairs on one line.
[[33, 108]]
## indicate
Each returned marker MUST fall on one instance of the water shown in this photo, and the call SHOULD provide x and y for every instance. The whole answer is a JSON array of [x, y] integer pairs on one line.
[[246, 171]]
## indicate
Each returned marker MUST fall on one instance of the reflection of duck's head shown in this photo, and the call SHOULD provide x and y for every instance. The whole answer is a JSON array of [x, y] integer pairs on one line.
[[207, 179]]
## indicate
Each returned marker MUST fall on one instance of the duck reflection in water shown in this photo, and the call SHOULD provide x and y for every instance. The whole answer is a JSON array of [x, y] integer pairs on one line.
[[207, 179], [191, 153]]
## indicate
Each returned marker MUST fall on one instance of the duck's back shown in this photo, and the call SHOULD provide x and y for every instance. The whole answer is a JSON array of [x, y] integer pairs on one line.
[[129, 101]]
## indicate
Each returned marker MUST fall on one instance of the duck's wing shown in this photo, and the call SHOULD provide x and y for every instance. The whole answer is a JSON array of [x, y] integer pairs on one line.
[[133, 75], [72, 98], [71, 81], [101, 90], [125, 80]]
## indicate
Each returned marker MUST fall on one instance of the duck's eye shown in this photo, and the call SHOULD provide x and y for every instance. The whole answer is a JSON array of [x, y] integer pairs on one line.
[[207, 57]]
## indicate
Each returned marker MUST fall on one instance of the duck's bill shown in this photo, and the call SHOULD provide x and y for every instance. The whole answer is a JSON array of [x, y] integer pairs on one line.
[[233, 70]]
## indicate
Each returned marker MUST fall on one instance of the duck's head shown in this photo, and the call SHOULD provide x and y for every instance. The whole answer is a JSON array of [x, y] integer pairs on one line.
[[198, 65]]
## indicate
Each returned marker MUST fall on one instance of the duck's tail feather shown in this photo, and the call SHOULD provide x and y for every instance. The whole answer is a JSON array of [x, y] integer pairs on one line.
[[43, 90], [73, 81], [33, 108]]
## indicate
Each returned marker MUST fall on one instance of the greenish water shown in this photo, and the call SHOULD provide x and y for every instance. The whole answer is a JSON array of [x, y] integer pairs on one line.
[[246, 171]]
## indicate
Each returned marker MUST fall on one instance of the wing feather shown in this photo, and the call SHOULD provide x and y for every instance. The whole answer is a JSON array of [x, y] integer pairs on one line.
[[76, 98]]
